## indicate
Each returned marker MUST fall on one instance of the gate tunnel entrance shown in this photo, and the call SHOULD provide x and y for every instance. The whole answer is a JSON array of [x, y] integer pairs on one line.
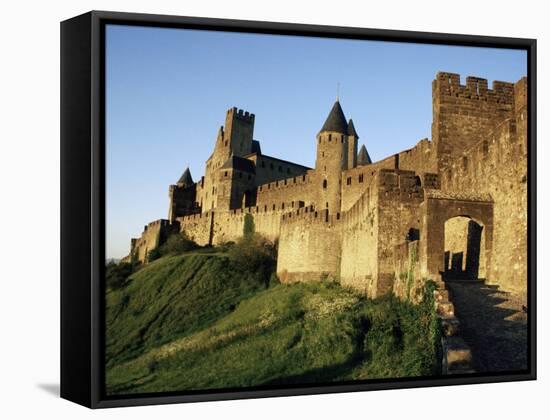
[[464, 250]]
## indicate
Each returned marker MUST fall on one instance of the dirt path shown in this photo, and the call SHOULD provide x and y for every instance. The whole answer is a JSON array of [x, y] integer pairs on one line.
[[493, 324]]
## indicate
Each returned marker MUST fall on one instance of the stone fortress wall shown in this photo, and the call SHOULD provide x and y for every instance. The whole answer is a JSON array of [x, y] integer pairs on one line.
[[375, 226], [497, 165]]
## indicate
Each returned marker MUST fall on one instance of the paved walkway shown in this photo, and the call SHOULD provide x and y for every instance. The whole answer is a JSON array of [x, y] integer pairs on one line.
[[493, 324]]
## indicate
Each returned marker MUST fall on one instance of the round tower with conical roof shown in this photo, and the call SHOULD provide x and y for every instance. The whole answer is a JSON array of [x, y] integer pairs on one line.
[[332, 159]]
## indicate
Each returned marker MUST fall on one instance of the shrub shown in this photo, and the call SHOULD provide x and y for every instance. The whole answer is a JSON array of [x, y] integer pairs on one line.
[[176, 244], [248, 228], [254, 253], [116, 275], [274, 280], [226, 246], [153, 255]]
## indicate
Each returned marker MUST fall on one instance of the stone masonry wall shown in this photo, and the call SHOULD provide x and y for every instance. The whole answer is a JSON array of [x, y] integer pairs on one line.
[[216, 227], [399, 198], [286, 194], [152, 236], [359, 263], [465, 114], [198, 227], [497, 165], [269, 169], [309, 246], [355, 182]]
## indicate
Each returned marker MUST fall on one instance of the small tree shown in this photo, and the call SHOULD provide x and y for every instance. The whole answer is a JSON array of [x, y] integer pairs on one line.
[[176, 244], [153, 255], [116, 275], [248, 228], [254, 253]]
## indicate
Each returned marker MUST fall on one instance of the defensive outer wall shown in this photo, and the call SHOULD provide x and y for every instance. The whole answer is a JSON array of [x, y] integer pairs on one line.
[[396, 222]]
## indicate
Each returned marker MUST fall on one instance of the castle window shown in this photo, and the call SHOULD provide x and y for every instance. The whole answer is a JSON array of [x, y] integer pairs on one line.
[[226, 143], [273, 206], [348, 181], [283, 206], [295, 180], [303, 178], [324, 184], [322, 154], [342, 139], [268, 186], [319, 139], [265, 207], [330, 137], [361, 178], [465, 163], [326, 204], [293, 204], [225, 174]]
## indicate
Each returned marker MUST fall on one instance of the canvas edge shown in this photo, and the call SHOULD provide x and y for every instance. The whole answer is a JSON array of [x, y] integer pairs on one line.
[[89, 312]]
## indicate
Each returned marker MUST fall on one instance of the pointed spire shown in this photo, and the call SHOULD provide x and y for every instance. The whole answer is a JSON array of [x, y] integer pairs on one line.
[[351, 129], [186, 180], [336, 120], [363, 157]]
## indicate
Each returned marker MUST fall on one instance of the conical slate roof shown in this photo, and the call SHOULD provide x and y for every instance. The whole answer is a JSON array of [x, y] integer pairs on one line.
[[363, 157], [336, 120], [351, 129], [186, 178]]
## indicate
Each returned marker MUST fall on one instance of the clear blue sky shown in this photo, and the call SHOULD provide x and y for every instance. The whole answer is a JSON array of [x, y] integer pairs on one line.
[[168, 90]]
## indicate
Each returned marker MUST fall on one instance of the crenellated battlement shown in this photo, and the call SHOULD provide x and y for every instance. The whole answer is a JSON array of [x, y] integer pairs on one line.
[[241, 115], [196, 216], [310, 215], [156, 223], [284, 183], [476, 88]]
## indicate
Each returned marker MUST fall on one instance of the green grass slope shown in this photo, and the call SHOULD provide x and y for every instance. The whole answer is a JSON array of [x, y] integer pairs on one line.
[[189, 323], [172, 297]]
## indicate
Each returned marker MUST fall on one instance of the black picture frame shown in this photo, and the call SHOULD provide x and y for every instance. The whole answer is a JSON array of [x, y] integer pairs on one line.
[[83, 204]]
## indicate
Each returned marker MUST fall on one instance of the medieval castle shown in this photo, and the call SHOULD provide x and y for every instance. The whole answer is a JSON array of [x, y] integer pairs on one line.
[[455, 205]]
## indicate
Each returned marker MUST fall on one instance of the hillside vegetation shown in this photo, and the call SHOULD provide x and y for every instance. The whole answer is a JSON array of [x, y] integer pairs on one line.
[[200, 321]]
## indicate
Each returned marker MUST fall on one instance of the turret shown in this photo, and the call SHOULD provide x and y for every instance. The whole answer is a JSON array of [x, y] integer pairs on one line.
[[332, 158], [353, 137], [239, 130], [363, 157], [182, 197], [186, 180]]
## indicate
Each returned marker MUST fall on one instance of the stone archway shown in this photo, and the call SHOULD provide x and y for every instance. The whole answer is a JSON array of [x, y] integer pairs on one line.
[[437, 209], [464, 251]]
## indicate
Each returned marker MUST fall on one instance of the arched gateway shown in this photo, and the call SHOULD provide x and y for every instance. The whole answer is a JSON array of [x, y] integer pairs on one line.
[[457, 233]]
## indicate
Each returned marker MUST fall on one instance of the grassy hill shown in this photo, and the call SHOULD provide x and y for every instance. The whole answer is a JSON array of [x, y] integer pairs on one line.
[[194, 321]]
